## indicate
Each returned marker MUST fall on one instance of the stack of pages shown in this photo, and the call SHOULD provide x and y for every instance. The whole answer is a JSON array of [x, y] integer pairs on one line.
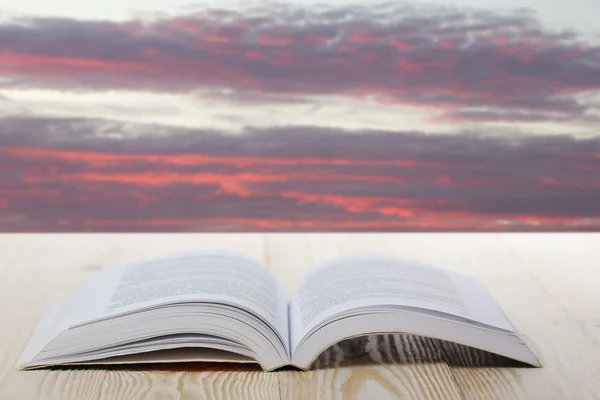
[[226, 307]]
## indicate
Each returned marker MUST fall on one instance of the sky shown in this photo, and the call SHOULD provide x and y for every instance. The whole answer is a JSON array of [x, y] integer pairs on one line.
[[299, 116]]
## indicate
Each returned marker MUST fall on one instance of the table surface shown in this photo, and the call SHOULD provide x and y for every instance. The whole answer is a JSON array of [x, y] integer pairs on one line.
[[546, 283]]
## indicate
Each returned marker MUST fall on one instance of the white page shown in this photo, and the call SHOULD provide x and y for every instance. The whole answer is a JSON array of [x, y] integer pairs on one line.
[[216, 276], [364, 281]]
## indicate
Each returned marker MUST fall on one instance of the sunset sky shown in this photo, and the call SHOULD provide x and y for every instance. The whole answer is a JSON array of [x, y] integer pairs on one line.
[[300, 116]]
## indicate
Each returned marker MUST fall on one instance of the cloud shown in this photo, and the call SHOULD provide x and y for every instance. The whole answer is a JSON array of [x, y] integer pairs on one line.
[[9, 107], [518, 116], [449, 59], [90, 174]]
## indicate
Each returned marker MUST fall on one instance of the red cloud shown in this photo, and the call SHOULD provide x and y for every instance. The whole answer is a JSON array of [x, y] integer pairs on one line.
[[104, 159], [160, 171], [294, 178], [456, 222], [504, 62]]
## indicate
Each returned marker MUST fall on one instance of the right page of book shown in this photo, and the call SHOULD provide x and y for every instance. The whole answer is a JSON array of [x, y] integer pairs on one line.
[[354, 283]]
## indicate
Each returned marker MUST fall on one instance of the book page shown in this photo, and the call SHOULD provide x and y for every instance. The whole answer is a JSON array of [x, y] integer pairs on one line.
[[358, 282], [215, 277]]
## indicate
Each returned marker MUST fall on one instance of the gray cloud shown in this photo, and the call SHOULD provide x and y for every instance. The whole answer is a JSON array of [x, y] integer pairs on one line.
[[438, 57], [68, 174]]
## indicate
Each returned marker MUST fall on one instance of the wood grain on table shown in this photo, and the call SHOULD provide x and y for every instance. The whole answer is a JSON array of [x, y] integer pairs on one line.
[[548, 285]]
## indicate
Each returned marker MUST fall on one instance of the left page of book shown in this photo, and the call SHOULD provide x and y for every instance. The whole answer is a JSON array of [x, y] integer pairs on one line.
[[216, 277]]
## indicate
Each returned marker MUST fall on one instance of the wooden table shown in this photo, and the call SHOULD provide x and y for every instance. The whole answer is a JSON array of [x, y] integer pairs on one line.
[[548, 284]]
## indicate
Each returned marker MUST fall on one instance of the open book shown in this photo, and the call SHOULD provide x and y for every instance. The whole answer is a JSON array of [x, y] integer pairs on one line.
[[227, 307]]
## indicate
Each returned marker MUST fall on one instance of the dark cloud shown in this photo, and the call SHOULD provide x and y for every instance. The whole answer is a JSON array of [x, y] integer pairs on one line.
[[85, 174], [445, 58]]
